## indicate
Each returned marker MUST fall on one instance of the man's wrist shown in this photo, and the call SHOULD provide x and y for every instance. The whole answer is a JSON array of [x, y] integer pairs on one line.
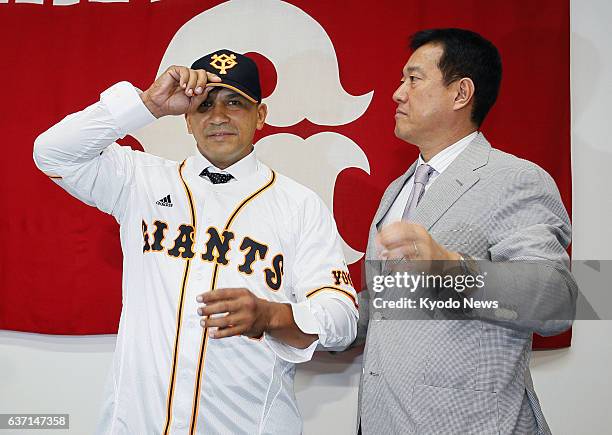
[[144, 96], [448, 265], [273, 315], [454, 256], [468, 264], [459, 263]]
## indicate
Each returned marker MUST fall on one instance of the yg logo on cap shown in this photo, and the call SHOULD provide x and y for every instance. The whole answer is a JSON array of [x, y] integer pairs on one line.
[[223, 62]]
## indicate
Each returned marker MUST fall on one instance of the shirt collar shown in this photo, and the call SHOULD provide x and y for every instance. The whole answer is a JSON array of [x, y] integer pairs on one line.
[[444, 158], [239, 170]]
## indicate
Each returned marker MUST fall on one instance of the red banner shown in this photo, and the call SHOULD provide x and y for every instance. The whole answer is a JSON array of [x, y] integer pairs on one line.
[[61, 262]]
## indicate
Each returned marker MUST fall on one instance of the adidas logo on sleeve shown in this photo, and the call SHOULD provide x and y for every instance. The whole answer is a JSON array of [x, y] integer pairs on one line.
[[165, 201]]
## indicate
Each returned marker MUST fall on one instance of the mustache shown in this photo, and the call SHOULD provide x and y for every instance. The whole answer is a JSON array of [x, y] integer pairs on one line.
[[219, 130]]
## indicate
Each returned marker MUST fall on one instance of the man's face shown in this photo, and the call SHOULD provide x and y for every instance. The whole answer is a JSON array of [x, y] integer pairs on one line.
[[224, 126], [424, 103]]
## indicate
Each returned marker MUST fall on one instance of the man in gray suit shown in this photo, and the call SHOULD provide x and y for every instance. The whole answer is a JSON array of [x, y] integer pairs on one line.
[[488, 212]]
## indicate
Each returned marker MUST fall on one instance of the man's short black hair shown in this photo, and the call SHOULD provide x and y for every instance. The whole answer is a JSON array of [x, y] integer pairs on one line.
[[466, 54]]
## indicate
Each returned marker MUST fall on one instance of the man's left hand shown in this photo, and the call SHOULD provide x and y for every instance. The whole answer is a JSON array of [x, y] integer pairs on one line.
[[245, 313]]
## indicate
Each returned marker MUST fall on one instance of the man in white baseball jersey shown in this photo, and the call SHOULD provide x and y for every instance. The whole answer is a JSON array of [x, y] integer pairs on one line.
[[232, 273]]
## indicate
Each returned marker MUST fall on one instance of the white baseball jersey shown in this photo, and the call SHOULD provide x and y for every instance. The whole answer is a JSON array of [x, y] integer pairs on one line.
[[181, 236]]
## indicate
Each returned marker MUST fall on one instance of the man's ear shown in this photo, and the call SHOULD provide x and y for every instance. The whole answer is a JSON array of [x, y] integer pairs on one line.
[[464, 93], [188, 122], [262, 112]]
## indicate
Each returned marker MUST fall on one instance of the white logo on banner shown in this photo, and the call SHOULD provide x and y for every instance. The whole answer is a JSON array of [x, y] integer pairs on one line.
[[308, 87]]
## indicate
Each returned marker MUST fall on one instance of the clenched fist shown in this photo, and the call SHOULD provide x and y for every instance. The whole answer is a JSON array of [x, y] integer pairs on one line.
[[177, 91]]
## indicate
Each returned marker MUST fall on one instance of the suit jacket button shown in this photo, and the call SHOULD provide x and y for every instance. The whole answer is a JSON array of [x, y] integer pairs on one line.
[[506, 314]]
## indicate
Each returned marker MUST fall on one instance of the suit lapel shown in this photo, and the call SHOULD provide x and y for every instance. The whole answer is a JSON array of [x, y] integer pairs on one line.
[[385, 204], [389, 197], [457, 179]]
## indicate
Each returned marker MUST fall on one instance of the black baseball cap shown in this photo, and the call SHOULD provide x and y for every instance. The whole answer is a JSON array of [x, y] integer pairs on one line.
[[235, 70]]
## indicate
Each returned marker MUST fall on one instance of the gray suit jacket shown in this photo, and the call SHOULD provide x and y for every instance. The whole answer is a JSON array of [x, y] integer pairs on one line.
[[472, 376]]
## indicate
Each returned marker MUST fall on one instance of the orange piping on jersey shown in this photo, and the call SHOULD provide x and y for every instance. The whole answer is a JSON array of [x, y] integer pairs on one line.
[[213, 284], [179, 313], [243, 203], [335, 289]]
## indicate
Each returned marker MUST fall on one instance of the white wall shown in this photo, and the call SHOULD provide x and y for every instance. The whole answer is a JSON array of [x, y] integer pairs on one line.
[[575, 385], [54, 374]]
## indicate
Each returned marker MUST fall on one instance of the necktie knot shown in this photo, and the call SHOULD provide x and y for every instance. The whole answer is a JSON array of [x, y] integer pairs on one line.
[[216, 177], [422, 174]]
